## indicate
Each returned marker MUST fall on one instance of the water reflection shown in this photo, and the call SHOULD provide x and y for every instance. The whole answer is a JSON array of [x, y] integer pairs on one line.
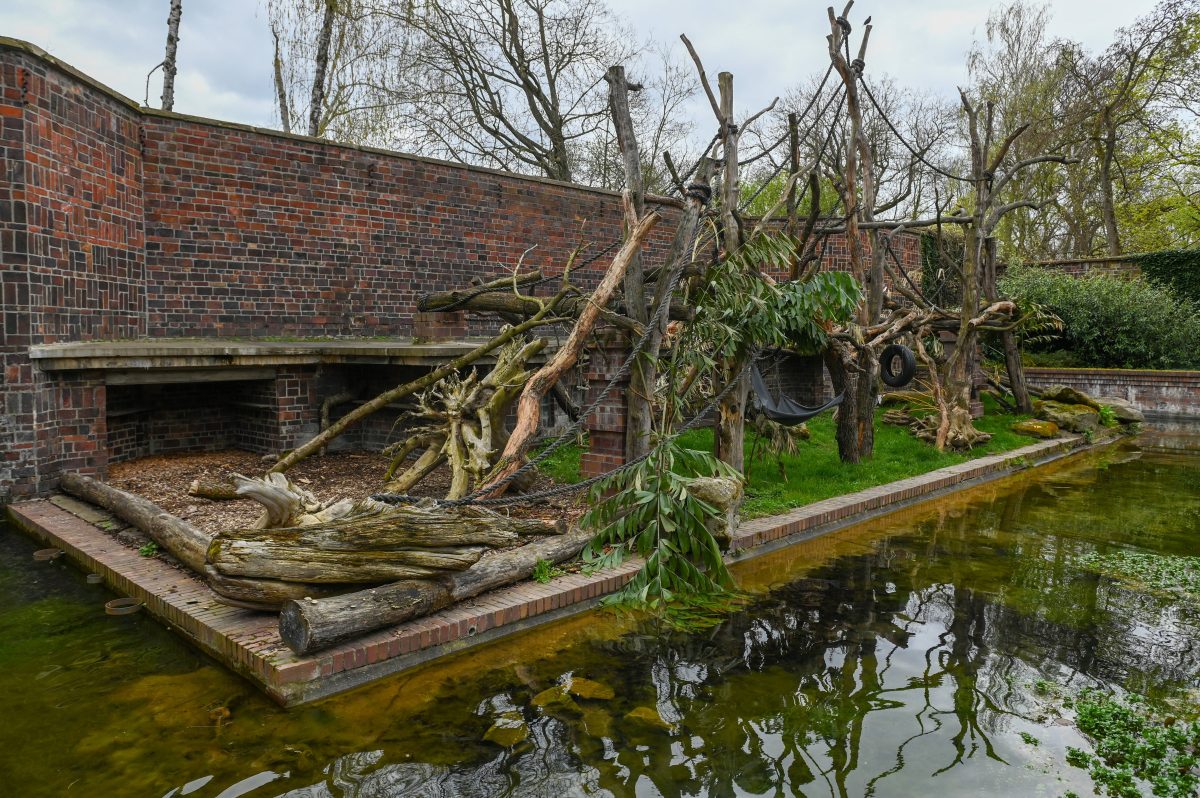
[[886, 660]]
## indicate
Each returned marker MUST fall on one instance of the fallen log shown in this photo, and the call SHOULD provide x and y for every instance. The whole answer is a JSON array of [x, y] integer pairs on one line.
[[397, 543], [267, 595], [311, 625], [213, 490], [183, 541]]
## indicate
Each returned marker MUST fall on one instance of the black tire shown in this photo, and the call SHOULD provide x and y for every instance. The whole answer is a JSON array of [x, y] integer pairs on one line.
[[897, 377]]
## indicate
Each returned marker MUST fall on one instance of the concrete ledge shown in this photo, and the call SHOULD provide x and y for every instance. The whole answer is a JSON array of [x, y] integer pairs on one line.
[[145, 354], [249, 643]]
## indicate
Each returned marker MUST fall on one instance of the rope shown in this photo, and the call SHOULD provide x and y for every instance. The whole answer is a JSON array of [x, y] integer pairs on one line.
[[903, 141]]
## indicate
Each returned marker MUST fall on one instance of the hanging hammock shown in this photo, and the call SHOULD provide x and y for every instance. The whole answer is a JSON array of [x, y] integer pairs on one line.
[[786, 411]]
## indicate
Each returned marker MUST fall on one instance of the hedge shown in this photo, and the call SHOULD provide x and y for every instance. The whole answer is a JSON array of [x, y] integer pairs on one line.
[[1112, 322]]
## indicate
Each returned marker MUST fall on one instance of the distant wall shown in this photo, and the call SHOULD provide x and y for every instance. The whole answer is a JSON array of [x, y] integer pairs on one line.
[[1162, 393]]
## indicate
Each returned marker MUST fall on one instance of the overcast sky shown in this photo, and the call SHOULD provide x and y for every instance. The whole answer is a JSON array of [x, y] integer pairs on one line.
[[225, 48]]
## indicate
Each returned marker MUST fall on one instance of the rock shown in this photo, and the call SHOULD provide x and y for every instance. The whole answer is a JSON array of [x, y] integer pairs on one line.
[[269, 459], [556, 701], [648, 718], [725, 495], [508, 730], [586, 688], [1036, 429], [1069, 396], [1073, 417], [1125, 411], [597, 722]]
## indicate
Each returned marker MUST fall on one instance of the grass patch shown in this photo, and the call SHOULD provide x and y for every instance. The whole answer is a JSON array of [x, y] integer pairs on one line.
[[815, 472], [563, 463]]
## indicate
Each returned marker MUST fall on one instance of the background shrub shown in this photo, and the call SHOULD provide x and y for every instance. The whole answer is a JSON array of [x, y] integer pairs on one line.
[[1113, 322]]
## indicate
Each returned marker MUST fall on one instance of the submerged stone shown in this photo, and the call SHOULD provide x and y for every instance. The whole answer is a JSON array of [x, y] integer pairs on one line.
[[556, 701], [648, 718], [597, 722], [586, 688], [1036, 428], [509, 729]]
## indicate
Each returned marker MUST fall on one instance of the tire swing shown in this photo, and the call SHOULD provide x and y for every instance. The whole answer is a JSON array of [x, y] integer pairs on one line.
[[888, 371]]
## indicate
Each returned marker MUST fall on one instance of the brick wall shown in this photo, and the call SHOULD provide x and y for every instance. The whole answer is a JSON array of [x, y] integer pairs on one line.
[[121, 222], [1163, 393], [71, 259], [1080, 267]]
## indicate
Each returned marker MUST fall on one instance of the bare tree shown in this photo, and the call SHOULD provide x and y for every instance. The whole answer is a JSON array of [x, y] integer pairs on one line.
[[169, 68], [515, 84]]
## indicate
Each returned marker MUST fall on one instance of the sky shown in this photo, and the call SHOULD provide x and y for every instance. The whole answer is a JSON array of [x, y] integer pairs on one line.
[[225, 47]]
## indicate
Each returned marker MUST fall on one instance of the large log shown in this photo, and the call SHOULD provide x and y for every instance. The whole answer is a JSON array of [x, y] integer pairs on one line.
[[267, 595], [311, 625], [182, 540], [401, 543]]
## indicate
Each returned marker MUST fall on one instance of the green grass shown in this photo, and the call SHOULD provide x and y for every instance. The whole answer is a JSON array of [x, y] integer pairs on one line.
[[815, 472]]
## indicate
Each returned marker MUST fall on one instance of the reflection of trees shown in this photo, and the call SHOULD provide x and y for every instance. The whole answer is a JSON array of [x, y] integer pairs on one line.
[[898, 664]]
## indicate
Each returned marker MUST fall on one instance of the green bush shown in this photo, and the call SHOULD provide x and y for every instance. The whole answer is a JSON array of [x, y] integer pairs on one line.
[[1113, 322], [1178, 269]]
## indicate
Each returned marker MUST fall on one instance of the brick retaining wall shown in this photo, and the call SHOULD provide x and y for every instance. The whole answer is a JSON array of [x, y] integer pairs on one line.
[[1164, 393]]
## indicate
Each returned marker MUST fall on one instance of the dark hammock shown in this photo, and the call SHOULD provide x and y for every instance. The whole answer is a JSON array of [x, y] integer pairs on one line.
[[786, 411]]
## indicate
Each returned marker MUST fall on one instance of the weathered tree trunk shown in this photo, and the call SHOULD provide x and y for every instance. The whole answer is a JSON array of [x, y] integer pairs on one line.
[[322, 65], [1108, 203], [529, 406], [169, 65], [308, 626], [1008, 338], [281, 96], [182, 540], [639, 396], [731, 411], [860, 367], [381, 546]]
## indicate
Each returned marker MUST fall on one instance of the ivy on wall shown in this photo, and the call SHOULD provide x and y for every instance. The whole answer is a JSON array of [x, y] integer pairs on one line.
[[1176, 268]]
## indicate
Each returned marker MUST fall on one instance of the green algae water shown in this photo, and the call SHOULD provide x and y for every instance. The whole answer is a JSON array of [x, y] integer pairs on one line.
[[936, 649]]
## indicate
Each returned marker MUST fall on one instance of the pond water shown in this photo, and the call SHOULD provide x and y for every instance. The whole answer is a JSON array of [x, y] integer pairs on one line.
[[926, 650]]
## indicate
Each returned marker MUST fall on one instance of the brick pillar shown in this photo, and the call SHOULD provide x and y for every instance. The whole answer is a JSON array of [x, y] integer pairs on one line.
[[606, 426], [298, 411], [439, 326]]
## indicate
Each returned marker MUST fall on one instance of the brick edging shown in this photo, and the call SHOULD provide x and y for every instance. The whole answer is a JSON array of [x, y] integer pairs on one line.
[[248, 642]]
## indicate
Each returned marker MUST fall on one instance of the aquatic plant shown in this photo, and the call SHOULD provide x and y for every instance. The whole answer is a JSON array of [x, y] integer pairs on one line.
[[1133, 744], [1161, 572]]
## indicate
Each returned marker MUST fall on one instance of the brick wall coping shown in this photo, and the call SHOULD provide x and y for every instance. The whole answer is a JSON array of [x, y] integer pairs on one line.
[[1089, 259], [248, 642], [224, 352], [32, 50]]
